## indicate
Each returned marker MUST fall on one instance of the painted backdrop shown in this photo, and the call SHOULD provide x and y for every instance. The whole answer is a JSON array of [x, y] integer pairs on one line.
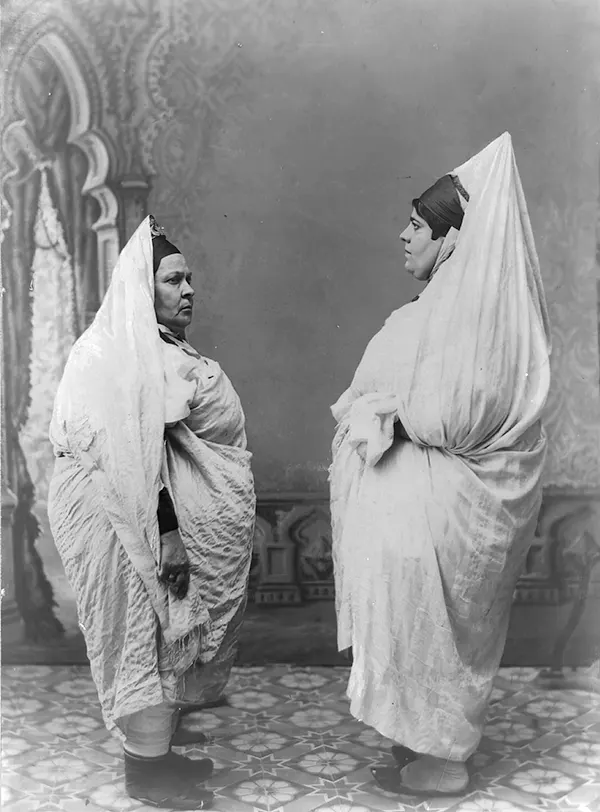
[[280, 144]]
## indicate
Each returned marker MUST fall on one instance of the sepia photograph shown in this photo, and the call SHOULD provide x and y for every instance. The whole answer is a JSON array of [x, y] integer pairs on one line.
[[300, 405]]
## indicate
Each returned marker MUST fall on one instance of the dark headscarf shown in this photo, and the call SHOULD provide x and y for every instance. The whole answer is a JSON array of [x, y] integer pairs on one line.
[[162, 248], [440, 206]]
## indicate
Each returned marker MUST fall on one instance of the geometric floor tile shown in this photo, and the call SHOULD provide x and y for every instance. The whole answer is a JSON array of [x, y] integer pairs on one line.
[[259, 742], [550, 708], [541, 781], [580, 751], [265, 792], [286, 742], [327, 762]]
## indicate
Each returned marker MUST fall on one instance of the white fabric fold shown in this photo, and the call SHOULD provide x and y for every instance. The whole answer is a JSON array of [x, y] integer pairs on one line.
[[370, 419], [180, 385]]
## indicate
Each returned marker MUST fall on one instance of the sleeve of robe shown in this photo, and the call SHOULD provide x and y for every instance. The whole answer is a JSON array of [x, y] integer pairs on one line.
[[167, 518]]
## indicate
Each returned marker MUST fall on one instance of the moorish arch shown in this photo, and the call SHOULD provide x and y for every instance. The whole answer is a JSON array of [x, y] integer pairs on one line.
[[60, 239]]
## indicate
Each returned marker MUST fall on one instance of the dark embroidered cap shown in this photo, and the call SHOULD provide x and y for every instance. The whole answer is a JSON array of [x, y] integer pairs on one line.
[[161, 247], [440, 205]]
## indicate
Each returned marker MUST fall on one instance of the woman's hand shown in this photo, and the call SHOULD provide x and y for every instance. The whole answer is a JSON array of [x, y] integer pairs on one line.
[[174, 570], [400, 434]]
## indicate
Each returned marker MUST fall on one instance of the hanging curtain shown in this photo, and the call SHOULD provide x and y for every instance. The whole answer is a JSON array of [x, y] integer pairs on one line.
[[54, 328], [43, 102], [33, 592]]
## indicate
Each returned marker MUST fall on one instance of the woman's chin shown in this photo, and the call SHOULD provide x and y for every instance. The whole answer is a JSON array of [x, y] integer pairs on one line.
[[418, 274], [183, 319]]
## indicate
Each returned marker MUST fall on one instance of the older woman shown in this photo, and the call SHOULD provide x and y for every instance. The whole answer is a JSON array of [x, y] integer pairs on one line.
[[436, 476], [152, 510]]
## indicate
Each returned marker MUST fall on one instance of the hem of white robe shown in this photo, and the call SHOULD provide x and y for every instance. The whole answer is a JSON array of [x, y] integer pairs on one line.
[[392, 735]]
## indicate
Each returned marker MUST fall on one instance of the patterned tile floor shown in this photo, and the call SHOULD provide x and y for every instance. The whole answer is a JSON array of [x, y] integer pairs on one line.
[[287, 742]]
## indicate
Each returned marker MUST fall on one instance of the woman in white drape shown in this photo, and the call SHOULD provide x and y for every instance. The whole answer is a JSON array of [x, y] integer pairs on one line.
[[436, 475], [152, 510]]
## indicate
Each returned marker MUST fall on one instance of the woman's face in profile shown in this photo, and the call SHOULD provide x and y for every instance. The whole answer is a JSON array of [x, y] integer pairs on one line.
[[173, 293], [420, 249]]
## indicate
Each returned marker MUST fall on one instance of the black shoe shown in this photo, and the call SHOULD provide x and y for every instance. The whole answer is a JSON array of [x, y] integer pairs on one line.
[[155, 782]]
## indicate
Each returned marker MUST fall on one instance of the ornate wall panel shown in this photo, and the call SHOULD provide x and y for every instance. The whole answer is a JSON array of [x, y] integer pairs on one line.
[[573, 410], [70, 41], [556, 601]]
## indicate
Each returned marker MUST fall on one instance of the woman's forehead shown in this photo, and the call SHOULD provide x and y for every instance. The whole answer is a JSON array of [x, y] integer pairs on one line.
[[174, 263], [414, 215]]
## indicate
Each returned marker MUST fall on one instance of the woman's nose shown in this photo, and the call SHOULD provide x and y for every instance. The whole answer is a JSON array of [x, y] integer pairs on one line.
[[404, 235]]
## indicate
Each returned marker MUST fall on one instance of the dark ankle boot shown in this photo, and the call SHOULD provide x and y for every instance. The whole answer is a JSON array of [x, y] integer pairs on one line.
[[155, 782]]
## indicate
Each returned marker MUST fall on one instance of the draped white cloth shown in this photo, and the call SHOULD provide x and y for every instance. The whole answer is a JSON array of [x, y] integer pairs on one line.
[[430, 536], [134, 413]]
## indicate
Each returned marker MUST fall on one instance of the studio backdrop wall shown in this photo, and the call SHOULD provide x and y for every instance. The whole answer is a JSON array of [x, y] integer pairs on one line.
[[280, 143]]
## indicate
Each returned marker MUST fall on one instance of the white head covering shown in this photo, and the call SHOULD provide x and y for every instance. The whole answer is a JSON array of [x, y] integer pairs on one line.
[[485, 327], [497, 221], [471, 357]]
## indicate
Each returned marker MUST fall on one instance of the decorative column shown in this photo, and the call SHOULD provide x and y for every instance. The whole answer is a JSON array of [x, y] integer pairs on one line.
[[11, 617], [277, 572], [108, 242], [133, 191], [10, 613]]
